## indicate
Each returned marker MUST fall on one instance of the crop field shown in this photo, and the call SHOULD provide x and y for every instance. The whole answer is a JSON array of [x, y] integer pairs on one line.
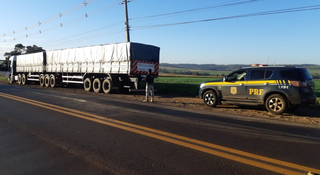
[[317, 89], [180, 86], [181, 71]]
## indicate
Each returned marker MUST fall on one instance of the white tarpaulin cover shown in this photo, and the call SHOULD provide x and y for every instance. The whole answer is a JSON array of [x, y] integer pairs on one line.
[[111, 58], [93, 54], [35, 59], [30, 62]]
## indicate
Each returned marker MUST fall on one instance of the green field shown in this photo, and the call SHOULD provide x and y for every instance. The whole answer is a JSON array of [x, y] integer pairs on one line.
[[317, 90], [317, 87], [185, 71], [180, 86]]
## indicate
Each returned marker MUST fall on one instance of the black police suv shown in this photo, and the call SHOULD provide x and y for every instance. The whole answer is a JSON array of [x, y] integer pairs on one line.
[[279, 88]]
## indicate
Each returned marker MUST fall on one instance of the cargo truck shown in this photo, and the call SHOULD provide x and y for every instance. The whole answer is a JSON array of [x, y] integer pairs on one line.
[[102, 68]]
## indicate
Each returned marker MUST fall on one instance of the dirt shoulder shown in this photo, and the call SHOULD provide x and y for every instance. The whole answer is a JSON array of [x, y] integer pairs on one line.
[[305, 114]]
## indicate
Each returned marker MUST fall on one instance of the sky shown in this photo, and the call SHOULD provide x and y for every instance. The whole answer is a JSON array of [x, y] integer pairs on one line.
[[187, 31]]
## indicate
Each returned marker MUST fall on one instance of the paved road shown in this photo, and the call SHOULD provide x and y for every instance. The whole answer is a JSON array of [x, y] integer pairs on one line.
[[44, 131]]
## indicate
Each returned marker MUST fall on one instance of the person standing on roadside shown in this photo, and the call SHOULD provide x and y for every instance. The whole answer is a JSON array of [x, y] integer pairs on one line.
[[149, 86]]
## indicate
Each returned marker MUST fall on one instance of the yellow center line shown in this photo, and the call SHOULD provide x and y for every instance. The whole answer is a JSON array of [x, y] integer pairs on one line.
[[213, 149]]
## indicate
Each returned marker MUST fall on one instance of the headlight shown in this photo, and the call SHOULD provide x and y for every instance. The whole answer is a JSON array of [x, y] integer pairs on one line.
[[202, 84]]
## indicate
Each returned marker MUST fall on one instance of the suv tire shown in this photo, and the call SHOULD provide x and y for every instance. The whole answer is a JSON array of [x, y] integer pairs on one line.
[[276, 104], [210, 98]]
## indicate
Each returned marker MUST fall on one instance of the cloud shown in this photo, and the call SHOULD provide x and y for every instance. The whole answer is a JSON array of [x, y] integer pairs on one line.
[[5, 47]]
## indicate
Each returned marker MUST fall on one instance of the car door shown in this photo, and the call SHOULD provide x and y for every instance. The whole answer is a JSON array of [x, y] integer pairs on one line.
[[234, 86], [258, 83]]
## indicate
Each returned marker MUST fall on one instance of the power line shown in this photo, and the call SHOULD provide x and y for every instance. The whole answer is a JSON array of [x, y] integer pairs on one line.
[[236, 2], [75, 39], [290, 10], [92, 13], [88, 37], [232, 3], [198, 9], [53, 18], [84, 33]]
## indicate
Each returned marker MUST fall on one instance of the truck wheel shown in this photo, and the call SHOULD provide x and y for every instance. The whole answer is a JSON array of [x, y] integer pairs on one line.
[[276, 104], [23, 79], [107, 86], [41, 80], [96, 85], [47, 80], [52, 81], [210, 98], [87, 84], [19, 78]]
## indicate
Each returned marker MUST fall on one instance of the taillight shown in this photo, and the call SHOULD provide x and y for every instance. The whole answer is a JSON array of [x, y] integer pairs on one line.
[[299, 84]]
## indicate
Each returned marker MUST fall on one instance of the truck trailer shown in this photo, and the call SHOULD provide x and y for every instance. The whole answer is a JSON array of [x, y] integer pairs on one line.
[[105, 68]]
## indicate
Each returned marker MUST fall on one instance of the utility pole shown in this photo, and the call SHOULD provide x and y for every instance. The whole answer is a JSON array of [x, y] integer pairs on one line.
[[126, 20]]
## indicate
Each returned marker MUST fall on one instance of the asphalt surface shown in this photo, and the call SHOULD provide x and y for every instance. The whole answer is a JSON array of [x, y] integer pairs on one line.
[[37, 138]]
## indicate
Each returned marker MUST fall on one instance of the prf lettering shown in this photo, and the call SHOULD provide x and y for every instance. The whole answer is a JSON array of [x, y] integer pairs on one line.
[[255, 91]]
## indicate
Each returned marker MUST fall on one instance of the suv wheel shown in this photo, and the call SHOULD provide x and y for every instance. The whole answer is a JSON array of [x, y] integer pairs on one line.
[[210, 98], [276, 104]]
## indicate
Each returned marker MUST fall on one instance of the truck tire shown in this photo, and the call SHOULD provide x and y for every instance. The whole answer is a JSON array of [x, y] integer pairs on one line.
[[41, 80], [47, 80], [23, 79], [210, 98], [107, 86], [52, 81], [96, 85], [19, 78], [87, 85], [276, 104]]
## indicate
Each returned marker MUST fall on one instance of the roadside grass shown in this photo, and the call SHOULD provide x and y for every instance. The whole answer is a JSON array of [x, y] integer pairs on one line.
[[3, 78]]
